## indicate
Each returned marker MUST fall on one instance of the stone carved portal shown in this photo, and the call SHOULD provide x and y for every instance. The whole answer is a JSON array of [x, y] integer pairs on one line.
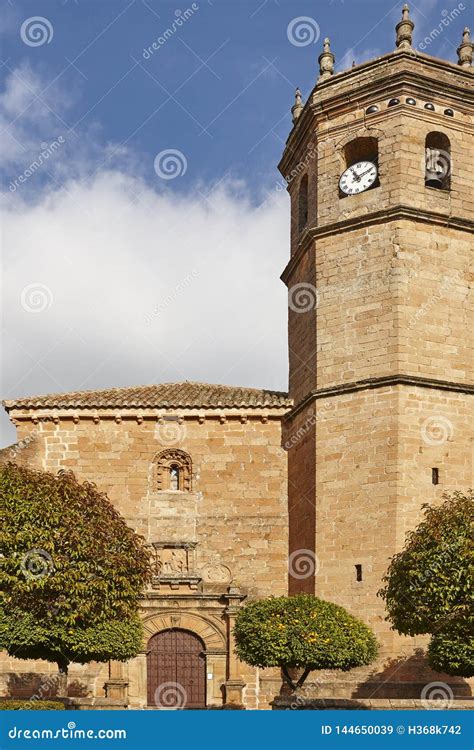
[[176, 670], [181, 660]]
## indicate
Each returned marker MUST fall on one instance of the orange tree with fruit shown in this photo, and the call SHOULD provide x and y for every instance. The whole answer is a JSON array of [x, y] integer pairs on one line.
[[302, 632]]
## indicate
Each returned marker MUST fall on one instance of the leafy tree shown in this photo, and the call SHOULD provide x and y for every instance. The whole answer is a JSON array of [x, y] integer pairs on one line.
[[71, 572], [302, 632], [429, 587]]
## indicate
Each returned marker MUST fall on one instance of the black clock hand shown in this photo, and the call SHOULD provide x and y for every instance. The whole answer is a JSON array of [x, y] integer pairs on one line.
[[355, 175]]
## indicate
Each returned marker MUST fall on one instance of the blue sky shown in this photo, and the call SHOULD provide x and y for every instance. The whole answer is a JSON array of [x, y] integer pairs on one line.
[[219, 89], [148, 244]]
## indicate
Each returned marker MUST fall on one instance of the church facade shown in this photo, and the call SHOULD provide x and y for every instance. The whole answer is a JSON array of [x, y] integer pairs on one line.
[[200, 472], [244, 493]]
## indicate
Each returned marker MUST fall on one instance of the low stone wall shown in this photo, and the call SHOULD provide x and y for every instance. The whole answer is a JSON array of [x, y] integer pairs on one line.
[[94, 704], [359, 692], [295, 703]]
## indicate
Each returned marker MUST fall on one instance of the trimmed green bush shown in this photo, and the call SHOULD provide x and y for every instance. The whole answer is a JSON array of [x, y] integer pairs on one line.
[[429, 584], [31, 705], [302, 631], [452, 652]]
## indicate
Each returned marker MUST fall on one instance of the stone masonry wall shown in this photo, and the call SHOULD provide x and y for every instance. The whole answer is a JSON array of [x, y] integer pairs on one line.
[[392, 299], [236, 510], [375, 452]]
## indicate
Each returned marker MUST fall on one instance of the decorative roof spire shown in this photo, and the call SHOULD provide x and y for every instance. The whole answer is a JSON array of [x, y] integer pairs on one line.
[[404, 29], [297, 107], [326, 62], [465, 50]]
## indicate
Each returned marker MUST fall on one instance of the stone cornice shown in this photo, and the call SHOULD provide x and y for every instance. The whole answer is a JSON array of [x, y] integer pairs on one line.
[[41, 414], [312, 138], [380, 382], [395, 213], [347, 89]]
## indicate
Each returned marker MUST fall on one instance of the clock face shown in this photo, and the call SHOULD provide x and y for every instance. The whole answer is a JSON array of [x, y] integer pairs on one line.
[[358, 178]]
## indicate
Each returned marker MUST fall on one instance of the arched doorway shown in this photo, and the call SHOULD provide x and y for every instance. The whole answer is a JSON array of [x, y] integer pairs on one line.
[[176, 670]]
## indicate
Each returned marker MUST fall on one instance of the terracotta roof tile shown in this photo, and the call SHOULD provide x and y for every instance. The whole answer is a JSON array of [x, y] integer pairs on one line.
[[165, 395]]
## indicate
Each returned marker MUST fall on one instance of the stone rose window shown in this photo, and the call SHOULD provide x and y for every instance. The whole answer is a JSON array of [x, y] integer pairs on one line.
[[173, 471]]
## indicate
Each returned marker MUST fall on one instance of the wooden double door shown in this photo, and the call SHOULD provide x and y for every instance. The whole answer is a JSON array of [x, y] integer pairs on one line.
[[176, 670]]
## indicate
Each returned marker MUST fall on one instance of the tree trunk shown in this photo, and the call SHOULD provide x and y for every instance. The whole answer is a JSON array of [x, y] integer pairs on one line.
[[287, 678], [303, 677], [295, 685], [63, 666]]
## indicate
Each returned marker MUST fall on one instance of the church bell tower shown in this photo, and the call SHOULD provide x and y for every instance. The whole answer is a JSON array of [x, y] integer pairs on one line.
[[379, 165]]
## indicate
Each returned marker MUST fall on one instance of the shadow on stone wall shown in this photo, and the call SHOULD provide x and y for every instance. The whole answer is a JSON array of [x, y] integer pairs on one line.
[[399, 678], [406, 678], [26, 685]]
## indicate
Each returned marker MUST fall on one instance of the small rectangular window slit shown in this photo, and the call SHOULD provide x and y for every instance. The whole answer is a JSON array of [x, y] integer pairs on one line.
[[358, 572], [435, 476]]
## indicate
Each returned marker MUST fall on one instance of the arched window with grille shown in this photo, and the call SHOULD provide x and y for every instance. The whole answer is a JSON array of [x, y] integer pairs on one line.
[[172, 471], [438, 164]]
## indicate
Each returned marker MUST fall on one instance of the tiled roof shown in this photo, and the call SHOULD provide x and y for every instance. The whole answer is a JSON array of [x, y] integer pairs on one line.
[[166, 395]]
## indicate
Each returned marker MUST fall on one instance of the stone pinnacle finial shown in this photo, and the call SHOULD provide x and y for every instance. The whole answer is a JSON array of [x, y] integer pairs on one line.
[[326, 61], [297, 107], [465, 50], [404, 29]]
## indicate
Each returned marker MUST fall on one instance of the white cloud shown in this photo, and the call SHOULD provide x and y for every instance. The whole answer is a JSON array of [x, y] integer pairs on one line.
[[27, 116], [140, 284]]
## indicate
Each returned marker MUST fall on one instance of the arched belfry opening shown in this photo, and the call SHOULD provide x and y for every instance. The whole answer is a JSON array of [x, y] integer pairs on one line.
[[438, 162], [359, 151], [365, 148]]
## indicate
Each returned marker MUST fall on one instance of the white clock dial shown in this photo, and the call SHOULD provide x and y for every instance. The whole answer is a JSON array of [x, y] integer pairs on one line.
[[358, 178]]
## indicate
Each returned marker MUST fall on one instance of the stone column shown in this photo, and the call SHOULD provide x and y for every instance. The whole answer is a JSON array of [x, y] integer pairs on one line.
[[138, 686], [234, 684], [116, 686]]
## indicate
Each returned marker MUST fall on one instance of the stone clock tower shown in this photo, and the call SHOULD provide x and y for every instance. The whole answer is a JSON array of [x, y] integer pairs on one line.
[[379, 165]]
